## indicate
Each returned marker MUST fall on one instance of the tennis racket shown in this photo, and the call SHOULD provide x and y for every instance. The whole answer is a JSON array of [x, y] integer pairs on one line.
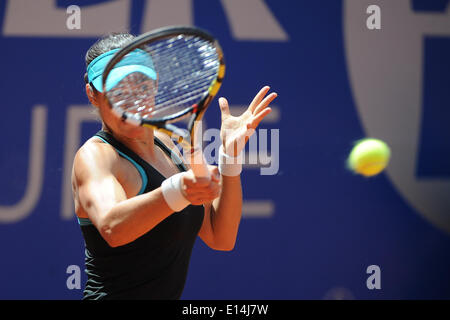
[[164, 76]]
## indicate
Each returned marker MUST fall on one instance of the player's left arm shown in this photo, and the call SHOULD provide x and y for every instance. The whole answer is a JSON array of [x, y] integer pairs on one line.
[[222, 217]]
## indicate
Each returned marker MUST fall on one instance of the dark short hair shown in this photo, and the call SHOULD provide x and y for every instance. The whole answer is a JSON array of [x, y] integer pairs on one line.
[[107, 43]]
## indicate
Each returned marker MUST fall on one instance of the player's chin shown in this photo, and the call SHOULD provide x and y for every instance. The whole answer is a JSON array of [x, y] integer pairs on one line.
[[130, 130]]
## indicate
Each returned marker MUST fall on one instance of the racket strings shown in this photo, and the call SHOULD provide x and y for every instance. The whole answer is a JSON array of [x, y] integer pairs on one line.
[[131, 94], [186, 67]]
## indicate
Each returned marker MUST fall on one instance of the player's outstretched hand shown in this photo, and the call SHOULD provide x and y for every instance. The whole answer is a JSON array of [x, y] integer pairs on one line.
[[236, 130]]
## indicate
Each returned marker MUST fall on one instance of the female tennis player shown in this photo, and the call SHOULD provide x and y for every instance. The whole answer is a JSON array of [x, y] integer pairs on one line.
[[137, 246]]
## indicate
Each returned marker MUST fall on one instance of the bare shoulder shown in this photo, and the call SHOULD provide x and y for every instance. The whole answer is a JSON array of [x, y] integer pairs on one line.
[[94, 158]]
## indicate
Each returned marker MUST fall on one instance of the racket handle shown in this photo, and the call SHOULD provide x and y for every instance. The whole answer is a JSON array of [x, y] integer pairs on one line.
[[198, 164]]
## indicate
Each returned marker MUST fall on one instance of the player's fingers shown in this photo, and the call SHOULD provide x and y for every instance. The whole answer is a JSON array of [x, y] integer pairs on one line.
[[259, 96], [190, 181], [215, 175], [258, 118], [186, 182], [213, 186], [267, 100], [201, 198], [224, 108], [197, 195]]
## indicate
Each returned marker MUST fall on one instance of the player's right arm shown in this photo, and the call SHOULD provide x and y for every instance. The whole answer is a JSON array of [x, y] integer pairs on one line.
[[99, 195]]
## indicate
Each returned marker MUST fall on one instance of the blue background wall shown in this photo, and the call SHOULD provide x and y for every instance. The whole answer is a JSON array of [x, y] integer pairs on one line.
[[327, 225]]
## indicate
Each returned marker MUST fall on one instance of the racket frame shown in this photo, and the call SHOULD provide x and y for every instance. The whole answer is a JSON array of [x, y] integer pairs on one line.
[[196, 111]]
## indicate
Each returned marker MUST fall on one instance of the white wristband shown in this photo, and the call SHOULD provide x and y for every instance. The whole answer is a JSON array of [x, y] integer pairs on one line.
[[171, 189], [228, 165]]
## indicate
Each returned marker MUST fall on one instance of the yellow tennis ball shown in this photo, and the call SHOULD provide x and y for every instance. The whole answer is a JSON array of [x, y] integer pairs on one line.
[[369, 157]]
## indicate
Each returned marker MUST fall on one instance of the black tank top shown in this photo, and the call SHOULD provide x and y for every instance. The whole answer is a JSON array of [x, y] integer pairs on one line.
[[155, 265]]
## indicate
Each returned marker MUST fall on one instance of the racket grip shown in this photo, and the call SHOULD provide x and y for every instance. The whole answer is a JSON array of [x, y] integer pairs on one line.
[[198, 164]]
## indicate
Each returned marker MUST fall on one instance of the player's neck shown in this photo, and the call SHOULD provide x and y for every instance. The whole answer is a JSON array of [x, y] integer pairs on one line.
[[141, 143]]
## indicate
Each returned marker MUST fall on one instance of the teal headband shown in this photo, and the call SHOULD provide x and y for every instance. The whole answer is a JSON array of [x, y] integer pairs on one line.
[[135, 61]]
